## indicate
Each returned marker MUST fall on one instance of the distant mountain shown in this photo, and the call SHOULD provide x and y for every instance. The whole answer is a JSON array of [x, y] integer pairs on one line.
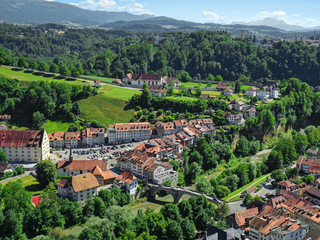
[[271, 22], [41, 11]]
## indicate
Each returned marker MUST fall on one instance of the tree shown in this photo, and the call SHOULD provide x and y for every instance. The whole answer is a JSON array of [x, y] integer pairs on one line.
[[204, 186], [74, 72], [278, 175], [267, 120], [188, 229], [198, 92], [202, 220], [219, 78], [3, 157], [274, 161], [301, 143], [88, 209], [53, 68], [170, 91], [37, 120], [171, 211], [185, 77], [64, 70], [90, 234], [46, 172], [185, 209], [43, 66], [174, 231], [193, 172], [237, 88], [309, 179], [222, 191], [211, 77], [33, 65], [247, 199], [22, 62]]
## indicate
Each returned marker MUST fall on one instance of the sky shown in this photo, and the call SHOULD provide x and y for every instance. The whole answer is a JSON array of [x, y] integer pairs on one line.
[[298, 12]]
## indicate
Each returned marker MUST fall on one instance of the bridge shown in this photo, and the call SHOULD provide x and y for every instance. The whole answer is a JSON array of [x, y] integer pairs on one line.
[[178, 192]]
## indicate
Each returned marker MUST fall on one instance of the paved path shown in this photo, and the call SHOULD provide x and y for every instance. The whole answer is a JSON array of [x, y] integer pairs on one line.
[[247, 188], [16, 177]]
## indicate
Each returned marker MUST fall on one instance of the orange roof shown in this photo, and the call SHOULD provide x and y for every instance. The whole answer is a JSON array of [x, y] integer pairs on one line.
[[121, 127], [56, 136], [105, 174], [127, 177], [221, 85], [84, 181], [241, 217], [92, 132], [18, 138], [80, 165]]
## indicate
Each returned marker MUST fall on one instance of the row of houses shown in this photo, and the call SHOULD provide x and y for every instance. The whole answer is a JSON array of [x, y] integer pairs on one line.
[[87, 137], [130, 132], [269, 91]]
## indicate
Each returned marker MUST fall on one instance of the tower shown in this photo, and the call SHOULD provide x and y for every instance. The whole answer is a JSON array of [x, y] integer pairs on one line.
[[70, 156]]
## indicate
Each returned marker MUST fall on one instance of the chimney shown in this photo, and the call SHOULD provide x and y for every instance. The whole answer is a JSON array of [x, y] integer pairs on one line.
[[70, 156]]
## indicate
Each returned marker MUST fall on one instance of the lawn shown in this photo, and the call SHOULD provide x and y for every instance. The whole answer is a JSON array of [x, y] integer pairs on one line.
[[157, 204], [103, 79], [26, 78], [236, 194], [30, 183], [104, 109], [194, 85], [118, 92], [56, 126], [213, 93]]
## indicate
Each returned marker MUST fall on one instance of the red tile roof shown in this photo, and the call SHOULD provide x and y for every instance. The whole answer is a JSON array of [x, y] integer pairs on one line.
[[17, 138], [105, 174], [146, 77], [127, 177], [80, 165], [222, 85], [252, 88], [241, 217]]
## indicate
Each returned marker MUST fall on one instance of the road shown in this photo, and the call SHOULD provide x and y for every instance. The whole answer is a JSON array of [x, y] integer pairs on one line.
[[16, 177]]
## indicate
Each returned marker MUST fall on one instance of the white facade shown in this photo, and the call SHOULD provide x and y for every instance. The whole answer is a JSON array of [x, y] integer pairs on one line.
[[149, 82], [68, 192], [250, 93], [262, 95], [128, 132]]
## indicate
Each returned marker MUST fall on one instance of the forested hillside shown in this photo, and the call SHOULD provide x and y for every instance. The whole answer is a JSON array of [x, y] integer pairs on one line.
[[113, 53]]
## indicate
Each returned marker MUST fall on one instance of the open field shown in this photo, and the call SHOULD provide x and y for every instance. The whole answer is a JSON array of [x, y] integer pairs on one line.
[[118, 92], [26, 78], [103, 79], [54, 126]]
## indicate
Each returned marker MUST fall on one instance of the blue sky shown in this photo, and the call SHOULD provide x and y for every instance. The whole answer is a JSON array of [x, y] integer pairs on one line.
[[299, 12]]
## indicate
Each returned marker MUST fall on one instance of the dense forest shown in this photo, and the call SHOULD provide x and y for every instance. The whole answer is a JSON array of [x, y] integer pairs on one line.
[[113, 53]]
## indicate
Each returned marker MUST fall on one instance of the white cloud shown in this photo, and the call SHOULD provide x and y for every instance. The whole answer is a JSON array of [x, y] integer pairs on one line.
[[96, 4], [275, 14], [134, 8], [111, 5], [209, 15]]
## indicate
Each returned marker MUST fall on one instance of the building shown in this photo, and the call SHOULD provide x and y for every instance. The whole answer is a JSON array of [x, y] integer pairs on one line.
[[78, 188], [103, 177], [313, 154], [207, 96], [87, 137], [164, 129], [221, 87], [252, 91], [250, 112], [117, 82], [93, 136], [5, 118], [76, 167], [180, 124], [25, 146], [172, 81], [127, 78], [130, 182], [268, 92], [146, 167], [287, 185], [97, 82], [238, 106], [235, 118], [241, 219], [243, 34], [228, 92], [128, 132], [214, 233], [157, 91], [150, 79], [309, 166], [3, 127], [313, 195]]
